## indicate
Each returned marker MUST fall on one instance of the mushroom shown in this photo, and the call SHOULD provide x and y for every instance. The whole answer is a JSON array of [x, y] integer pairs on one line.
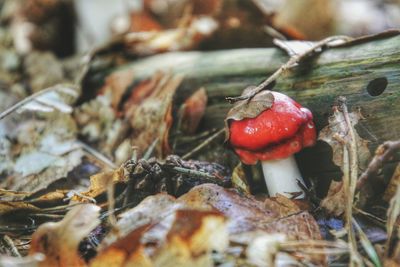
[[272, 137]]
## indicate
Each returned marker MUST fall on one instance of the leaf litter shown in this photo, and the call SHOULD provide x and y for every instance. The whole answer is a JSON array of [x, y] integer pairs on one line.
[[152, 208]]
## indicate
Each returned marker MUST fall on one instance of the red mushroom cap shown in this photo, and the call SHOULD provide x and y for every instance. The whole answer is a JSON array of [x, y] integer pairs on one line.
[[276, 133]]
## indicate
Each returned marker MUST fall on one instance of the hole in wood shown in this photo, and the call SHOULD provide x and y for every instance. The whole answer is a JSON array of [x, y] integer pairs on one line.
[[377, 86]]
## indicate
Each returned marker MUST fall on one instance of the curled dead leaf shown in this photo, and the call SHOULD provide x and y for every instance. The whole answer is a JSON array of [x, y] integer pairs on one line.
[[193, 236], [116, 84], [99, 183], [181, 238], [193, 110], [245, 213], [178, 39], [285, 206], [16, 206], [393, 184], [335, 200], [164, 231], [151, 119], [336, 134], [249, 109], [239, 179], [126, 251], [59, 241]]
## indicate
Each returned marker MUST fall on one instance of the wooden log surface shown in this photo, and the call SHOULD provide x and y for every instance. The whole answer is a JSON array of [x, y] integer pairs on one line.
[[366, 73]]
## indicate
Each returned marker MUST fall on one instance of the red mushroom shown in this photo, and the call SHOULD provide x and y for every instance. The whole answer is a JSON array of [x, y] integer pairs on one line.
[[272, 137]]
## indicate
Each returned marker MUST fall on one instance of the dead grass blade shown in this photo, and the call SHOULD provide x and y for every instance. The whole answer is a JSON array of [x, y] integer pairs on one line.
[[60, 87]]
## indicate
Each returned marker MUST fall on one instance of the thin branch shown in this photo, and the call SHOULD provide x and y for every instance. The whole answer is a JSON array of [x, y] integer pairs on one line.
[[32, 97], [96, 154], [205, 143], [111, 204], [382, 154], [193, 172], [150, 149], [289, 64]]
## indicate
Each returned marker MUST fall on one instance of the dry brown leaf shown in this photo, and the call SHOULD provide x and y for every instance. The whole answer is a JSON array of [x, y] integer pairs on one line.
[[164, 231], [151, 119], [249, 109], [17, 206], [150, 211], [392, 255], [179, 39], [248, 214], [59, 241], [318, 24], [143, 22], [127, 251], [239, 179], [336, 127], [194, 109], [182, 238], [336, 134], [99, 183], [393, 184], [193, 236], [245, 212], [170, 13], [284, 206], [240, 23], [12, 195], [335, 200], [116, 84]]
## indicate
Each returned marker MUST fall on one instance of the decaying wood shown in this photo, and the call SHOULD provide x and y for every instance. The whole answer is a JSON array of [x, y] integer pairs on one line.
[[367, 73]]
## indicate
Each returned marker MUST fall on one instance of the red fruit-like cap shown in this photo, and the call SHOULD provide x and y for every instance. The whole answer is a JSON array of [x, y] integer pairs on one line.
[[276, 133]]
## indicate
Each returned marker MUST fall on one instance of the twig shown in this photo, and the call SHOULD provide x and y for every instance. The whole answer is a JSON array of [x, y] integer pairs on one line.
[[32, 97], [111, 203], [150, 149], [290, 63], [382, 154], [370, 216], [193, 172], [203, 144], [97, 154], [10, 246]]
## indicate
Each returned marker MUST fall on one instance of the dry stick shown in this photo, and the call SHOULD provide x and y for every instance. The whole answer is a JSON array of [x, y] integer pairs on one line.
[[150, 149], [193, 172], [315, 247], [97, 154], [382, 154], [111, 203], [370, 216], [203, 144], [290, 63], [32, 97]]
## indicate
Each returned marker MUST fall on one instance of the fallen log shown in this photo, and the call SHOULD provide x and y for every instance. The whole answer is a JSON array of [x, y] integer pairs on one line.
[[366, 72]]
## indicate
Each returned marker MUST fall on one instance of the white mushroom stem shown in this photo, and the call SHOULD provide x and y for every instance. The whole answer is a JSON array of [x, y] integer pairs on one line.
[[281, 176]]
